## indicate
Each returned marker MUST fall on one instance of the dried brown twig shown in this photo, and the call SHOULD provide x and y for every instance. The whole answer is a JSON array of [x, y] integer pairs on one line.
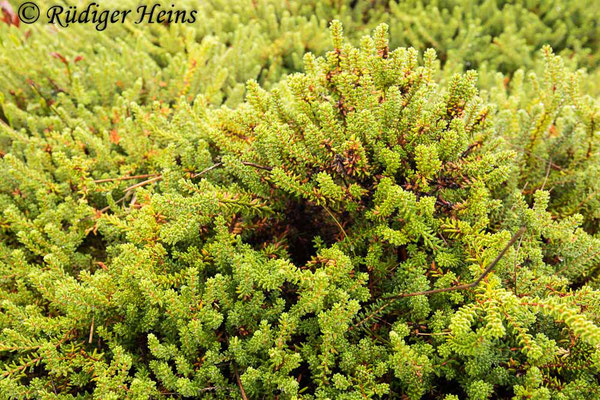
[[486, 272], [466, 285], [158, 177]]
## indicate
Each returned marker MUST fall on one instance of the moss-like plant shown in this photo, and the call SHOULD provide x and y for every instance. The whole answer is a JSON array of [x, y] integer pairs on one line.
[[359, 231]]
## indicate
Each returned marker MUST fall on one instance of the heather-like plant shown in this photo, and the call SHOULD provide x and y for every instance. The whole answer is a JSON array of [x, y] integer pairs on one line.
[[239, 40], [551, 123], [359, 231], [496, 34]]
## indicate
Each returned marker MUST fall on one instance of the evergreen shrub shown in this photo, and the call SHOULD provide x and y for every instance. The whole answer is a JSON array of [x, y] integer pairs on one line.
[[367, 228]]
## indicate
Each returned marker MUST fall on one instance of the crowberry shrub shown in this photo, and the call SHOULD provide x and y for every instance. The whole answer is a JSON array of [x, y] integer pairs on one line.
[[360, 230]]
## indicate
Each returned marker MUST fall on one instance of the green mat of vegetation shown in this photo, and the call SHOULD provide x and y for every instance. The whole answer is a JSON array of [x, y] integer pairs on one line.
[[302, 200]]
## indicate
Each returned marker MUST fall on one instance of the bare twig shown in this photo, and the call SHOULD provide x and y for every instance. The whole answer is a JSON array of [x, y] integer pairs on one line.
[[122, 199], [239, 382], [547, 173], [251, 164], [144, 183], [158, 177], [466, 285], [91, 330], [391, 299], [204, 171], [125, 178], [336, 221]]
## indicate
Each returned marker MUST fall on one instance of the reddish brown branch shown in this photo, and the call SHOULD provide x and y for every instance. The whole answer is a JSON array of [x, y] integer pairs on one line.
[[239, 382], [158, 177], [391, 299], [466, 285], [125, 178]]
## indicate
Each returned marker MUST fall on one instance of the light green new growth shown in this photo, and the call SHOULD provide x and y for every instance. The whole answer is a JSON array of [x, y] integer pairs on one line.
[[214, 211]]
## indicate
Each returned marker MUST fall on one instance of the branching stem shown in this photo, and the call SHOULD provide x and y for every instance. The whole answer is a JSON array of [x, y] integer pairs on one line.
[[466, 285]]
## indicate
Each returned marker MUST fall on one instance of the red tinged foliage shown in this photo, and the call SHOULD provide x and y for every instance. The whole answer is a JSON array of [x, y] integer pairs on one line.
[[8, 14], [114, 136], [60, 57]]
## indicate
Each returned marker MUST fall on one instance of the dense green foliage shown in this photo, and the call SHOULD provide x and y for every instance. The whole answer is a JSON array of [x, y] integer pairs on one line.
[[251, 207]]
